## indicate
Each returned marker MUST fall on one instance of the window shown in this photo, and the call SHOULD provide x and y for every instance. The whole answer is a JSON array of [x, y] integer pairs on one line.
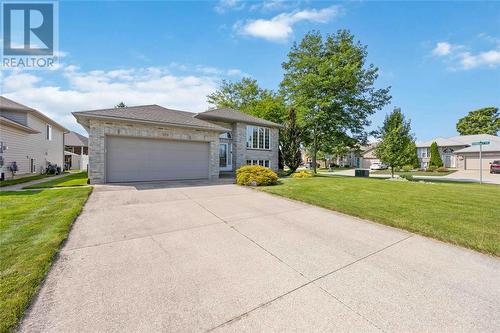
[[32, 165], [258, 137], [264, 163], [226, 135], [49, 132], [423, 152]]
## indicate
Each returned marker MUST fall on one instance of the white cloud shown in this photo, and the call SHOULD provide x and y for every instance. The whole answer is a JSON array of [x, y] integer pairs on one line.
[[280, 27], [85, 90], [442, 49], [226, 5], [459, 57]]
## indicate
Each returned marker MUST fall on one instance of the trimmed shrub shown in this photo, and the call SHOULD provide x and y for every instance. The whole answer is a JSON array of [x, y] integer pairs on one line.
[[302, 174], [407, 168], [407, 177], [255, 175], [442, 169]]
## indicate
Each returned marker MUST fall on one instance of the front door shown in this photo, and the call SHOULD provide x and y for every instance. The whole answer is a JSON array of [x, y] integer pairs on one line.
[[447, 161], [225, 158]]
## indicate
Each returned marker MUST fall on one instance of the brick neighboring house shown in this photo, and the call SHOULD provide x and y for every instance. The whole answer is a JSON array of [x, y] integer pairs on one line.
[[458, 152], [150, 142], [28, 139]]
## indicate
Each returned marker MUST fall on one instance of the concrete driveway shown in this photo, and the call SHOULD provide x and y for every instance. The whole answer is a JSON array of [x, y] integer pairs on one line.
[[199, 257]]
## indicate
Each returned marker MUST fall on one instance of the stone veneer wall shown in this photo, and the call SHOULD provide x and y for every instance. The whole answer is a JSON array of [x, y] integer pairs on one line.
[[241, 153], [99, 129]]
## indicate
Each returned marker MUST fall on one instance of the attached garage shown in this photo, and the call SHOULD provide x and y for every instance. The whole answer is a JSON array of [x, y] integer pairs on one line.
[[130, 159], [471, 161]]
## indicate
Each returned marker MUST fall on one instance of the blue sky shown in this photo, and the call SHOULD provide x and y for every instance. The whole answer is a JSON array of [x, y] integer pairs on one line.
[[442, 59]]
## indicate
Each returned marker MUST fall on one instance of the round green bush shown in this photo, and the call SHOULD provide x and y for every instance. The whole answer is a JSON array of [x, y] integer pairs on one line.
[[255, 175], [407, 168]]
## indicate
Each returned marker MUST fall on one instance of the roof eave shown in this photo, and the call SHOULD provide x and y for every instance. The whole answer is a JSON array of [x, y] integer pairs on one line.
[[139, 121], [18, 126], [229, 120]]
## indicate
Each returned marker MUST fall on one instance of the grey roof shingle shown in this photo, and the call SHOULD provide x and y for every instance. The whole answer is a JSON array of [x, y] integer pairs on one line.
[[9, 104], [234, 116], [155, 114], [75, 139]]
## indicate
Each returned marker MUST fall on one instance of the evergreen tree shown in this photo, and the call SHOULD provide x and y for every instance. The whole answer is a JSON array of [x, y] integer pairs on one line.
[[290, 141], [435, 157]]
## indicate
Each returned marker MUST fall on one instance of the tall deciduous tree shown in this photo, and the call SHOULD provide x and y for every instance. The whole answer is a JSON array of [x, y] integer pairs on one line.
[[435, 159], [396, 147], [482, 121], [290, 141], [248, 97], [332, 88]]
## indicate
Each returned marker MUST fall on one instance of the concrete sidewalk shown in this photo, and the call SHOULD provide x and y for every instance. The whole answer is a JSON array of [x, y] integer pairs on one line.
[[17, 187], [190, 258]]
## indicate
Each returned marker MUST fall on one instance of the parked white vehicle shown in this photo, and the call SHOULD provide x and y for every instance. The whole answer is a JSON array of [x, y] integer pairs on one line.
[[378, 166]]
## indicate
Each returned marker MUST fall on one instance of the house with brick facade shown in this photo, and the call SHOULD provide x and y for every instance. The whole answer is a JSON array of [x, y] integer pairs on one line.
[[151, 143]]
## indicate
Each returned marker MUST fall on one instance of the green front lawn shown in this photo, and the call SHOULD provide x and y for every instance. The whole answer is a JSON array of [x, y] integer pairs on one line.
[[458, 213], [73, 179], [413, 173], [33, 225], [22, 180]]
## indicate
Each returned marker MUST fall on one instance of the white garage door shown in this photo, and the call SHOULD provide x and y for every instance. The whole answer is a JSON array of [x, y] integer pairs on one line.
[[141, 159], [472, 163]]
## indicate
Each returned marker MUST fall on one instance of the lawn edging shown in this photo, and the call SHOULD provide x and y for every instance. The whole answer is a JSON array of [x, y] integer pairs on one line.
[[11, 182], [22, 307], [71, 180]]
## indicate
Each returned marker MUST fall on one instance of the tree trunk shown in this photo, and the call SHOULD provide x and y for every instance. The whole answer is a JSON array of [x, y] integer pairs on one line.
[[392, 171], [315, 152]]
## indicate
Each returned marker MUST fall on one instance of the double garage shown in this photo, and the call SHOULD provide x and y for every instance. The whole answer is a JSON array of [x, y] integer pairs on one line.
[[471, 161], [131, 159]]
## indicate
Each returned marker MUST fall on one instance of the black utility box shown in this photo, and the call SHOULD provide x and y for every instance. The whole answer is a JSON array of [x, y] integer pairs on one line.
[[362, 173]]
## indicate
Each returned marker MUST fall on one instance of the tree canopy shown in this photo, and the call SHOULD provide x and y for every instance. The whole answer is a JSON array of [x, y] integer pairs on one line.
[[397, 144], [333, 89], [481, 121], [248, 97]]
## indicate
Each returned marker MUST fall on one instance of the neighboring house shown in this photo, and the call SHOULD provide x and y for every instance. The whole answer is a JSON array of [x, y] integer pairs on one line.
[[76, 147], [150, 142], [29, 140], [458, 152], [362, 157]]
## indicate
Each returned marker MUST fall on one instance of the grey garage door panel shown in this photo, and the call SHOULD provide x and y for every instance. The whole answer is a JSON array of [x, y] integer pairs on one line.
[[472, 163], [144, 159]]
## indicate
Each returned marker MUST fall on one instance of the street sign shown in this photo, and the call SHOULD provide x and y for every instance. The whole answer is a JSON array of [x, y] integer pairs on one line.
[[480, 144]]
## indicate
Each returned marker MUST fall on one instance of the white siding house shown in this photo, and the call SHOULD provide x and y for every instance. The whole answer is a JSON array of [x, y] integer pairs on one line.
[[28, 139]]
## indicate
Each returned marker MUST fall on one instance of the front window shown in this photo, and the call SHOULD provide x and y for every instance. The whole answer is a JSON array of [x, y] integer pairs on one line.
[[258, 137], [264, 163], [226, 135]]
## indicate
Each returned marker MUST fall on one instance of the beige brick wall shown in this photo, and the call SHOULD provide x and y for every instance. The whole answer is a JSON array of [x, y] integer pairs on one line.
[[99, 129], [241, 153]]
